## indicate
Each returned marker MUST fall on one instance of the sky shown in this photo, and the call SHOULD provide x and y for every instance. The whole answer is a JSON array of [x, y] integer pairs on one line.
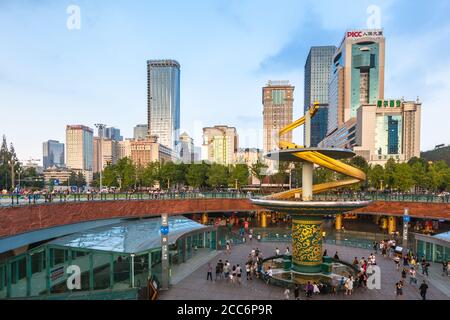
[[53, 73]]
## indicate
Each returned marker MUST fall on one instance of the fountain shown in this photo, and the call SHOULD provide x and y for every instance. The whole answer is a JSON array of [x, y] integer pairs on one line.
[[308, 263]]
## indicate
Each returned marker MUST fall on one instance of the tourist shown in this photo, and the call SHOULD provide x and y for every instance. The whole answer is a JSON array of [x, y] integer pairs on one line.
[[404, 273], [444, 268], [316, 288], [309, 290], [250, 236], [286, 294], [296, 292], [349, 286], [277, 252], [325, 253], [218, 271], [397, 262], [425, 268], [228, 248], [336, 257], [209, 275], [412, 276], [355, 261], [269, 274], [405, 261], [233, 274], [226, 270], [287, 251], [375, 247], [423, 290], [239, 273], [399, 288]]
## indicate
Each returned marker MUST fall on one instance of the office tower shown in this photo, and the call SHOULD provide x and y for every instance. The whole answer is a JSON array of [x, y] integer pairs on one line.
[[357, 75], [80, 149], [109, 151], [147, 151], [388, 129], [186, 148], [220, 144], [112, 134], [248, 156], [140, 132], [53, 154], [278, 104], [163, 82], [317, 73], [124, 149]]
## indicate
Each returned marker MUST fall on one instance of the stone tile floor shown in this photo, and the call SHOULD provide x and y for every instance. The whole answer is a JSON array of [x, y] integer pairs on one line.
[[196, 287]]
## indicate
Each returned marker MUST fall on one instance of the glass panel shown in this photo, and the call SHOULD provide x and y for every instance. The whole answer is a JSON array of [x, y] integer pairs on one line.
[[39, 274], [121, 271], [2, 281], [141, 270], [18, 278], [101, 270]]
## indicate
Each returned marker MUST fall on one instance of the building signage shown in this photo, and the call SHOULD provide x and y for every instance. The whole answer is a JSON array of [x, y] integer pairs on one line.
[[364, 33], [389, 103], [57, 273], [164, 251], [164, 230]]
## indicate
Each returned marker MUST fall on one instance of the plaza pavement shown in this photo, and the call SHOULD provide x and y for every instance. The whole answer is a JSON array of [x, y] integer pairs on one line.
[[196, 287]]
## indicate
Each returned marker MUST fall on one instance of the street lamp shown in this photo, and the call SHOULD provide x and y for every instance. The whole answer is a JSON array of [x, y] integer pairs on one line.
[[100, 127]]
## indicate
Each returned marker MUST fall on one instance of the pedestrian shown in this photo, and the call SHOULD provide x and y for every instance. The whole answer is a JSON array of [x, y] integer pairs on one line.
[[228, 248], [336, 257], [375, 247], [444, 268], [412, 276], [209, 275], [269, 274], [226, 270], [233, 274], [250, 236], [397, 262], [404, 273], [239, 273], [287, 251], [296, 292], [325, 253], [423, 290], [309, 290], [399, 288], [425, 268], [247, 271], [277, 252], [286, 294], [218, 271], [316, 288]]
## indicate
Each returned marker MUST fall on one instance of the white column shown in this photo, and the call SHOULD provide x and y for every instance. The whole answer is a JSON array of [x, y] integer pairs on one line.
[[307, 168]]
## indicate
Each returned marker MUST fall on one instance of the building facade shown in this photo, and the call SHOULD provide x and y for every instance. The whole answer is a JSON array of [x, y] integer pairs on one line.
[[278, 105], [53, 154], [317, 73], [57, 173], [388, 129], [108, 150], [140, 132], [112, 133], [124, 149], [186, 148], [220, 144], [357, 75], [80, 149], [147, 151], [163, 81]]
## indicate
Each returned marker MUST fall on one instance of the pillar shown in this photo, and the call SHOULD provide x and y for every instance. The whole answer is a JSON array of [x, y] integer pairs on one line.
[[338, 223], [205, 218], [392, 225], [383, 223], [307, 181], [307, 244], [263, 220]]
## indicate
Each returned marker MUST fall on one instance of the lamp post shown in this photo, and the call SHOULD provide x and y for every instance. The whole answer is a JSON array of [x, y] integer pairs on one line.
[[100, 127]]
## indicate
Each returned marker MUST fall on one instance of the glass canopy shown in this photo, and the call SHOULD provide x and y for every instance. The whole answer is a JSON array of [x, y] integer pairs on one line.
[[132, 236]]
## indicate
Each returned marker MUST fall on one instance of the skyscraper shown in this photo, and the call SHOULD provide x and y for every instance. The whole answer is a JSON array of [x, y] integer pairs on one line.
[[357, 75], [186, 148], [107, 149], [112, 134], [53, 154], [317, 73], [80, 149], [163, 83], [220, 144], [278, 104], [140, 132]]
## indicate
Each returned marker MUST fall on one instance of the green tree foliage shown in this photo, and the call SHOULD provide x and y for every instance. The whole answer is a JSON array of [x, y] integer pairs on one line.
[[375, 176], [239, 173], [402, 177], [218, 176], [258, 170], [197, 175]]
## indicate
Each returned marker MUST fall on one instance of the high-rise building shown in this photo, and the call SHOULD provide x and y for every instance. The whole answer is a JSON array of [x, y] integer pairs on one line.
[[186, 148], [112, 134], [357, 75], [278, 103], [317, 73], [163, 81], [53, 154], [388, 129], [140, 132], [248, 156], [220, 144], [147, 151], [80, 149], [109, 151], [124, 149]]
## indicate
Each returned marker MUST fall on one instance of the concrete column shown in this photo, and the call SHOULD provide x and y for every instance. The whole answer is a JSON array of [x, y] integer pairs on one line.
[[392, 225], [383, 223], [263, 220], [338, 223], [205, 218], [307, 181], [307, 244]]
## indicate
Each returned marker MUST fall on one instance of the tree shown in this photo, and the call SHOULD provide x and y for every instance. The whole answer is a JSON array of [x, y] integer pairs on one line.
[[196, 175], [389, 169], [217, 175], [280, 176], [403, 177], [81, 180], [375, 175], [258, 170], [171, 174], [150, 174], [239, 173]]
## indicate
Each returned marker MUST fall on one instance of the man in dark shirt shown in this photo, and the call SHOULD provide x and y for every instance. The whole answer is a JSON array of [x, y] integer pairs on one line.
[[423, 290]]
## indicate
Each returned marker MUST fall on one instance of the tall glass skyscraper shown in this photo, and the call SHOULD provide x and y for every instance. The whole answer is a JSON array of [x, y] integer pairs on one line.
[[163, 82], [53, 154], [317, 73]]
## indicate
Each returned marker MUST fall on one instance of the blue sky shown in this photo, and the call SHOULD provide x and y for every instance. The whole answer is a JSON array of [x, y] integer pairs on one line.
[[51, 76]]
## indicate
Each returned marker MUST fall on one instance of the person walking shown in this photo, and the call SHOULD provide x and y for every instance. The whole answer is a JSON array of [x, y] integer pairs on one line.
[[296, 292], [309, 290], [228, 246], [349, 286], [444, 268], [397, 262], [287, 293], [287, 251], [277, 252], [425, 268], [412, 276], [226, 270], [233, 274], [209, 275], [423, 290], [336, 257], [399, 288], [239, 274], [218, 271]]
